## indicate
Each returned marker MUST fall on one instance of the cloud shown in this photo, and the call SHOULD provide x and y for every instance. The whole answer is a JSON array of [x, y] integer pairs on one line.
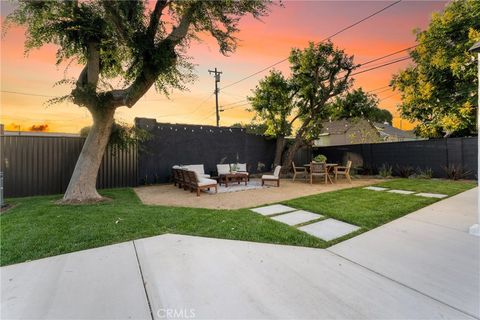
[[39, 127]]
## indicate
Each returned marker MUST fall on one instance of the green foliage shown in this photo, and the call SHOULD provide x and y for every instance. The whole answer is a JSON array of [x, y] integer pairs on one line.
[[385, 170], [320, 158], [456, 172], [426, 173], [359, 104], [273, 104], [404, 171], [440, 89], [122, 135], [137, 45]]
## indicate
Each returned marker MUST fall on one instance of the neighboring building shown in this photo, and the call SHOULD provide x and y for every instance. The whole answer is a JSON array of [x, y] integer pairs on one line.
[[342, 132], [389, 133], [39, 134], [357, 131]]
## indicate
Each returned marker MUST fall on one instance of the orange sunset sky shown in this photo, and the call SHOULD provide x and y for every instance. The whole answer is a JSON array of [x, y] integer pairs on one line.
[[27, 81]]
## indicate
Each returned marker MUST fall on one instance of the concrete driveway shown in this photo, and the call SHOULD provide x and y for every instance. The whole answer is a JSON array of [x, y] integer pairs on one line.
[[174, 276]]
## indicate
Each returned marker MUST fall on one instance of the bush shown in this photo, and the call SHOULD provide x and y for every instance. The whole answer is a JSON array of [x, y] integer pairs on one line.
[[426, 173], [320, 158], [385, 170], [404, 171], [456, 172]]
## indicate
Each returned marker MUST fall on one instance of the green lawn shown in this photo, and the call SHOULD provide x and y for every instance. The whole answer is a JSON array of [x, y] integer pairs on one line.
[[37, 227]]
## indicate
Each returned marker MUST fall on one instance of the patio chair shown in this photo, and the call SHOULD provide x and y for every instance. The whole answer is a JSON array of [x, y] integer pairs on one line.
[[274, 177], [299, 171], [344, 171], [199, 168], [185, 179], [198, 183], [319, 170], [175, 176]]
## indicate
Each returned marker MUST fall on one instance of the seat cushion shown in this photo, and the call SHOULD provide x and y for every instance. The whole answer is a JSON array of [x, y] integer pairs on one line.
[[269, 177], [197, 168], [243, 172], [223, 168], [205, 175], [206, 182], [241, 167]]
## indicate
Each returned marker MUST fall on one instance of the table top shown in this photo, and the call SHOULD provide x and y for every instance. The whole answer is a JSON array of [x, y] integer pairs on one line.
[[328, 165]]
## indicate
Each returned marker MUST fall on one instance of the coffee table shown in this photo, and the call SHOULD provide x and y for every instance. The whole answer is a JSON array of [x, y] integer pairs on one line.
[[232, 177]]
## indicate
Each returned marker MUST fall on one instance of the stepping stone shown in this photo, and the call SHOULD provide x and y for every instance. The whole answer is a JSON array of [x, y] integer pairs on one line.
[[376, 188], [432, 195], [297, 217], [329, 229], [401, 191], [273, 209]]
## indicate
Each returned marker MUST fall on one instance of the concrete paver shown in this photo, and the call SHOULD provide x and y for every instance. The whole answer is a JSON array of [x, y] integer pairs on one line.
[[329, 229], [375, 188], [297, 217], [401, 191], [273, 209], [431, 195], [101, 283], [225, 279], [428, 250]]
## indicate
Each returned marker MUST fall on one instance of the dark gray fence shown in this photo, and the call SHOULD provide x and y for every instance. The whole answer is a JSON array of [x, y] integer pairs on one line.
[[193, 144], [436, 154], [35, 165]]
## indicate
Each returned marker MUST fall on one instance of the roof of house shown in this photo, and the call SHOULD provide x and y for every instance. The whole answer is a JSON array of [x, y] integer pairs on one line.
[[389, 130], [339, 126]]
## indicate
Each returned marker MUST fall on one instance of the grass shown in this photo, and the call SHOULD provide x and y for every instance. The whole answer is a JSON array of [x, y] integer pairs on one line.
[[36, 227], [370, 209], [448, 187]]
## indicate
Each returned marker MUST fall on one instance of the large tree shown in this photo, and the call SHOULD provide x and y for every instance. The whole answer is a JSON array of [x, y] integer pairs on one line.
[[359, 104], [319, 73], [127, 41], [272, 101], [439, 90]]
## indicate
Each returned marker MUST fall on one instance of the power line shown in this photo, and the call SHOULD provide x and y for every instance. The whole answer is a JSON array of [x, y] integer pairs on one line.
[[381, 66], [27, 94], [327, 38]]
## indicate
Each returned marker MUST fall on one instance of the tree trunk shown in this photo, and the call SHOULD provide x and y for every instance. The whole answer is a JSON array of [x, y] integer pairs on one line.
[[82, 185], [279, 150], [291, 152]]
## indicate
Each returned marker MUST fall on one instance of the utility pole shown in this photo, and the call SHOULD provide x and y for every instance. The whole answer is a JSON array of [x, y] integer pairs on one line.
[[217, 80]]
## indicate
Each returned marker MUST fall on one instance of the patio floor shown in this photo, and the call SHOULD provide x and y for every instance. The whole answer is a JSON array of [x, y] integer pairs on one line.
[[168, 195]]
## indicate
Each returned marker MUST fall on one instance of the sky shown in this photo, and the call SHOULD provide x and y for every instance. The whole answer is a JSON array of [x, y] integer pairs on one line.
[[27, 81]]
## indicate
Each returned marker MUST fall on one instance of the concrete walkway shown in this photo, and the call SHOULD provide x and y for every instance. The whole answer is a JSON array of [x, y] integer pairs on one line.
[[429, 251], [174, 276]]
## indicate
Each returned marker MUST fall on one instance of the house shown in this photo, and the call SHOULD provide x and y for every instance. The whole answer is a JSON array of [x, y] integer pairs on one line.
[[389, 133], [357, 131], [351, 131]]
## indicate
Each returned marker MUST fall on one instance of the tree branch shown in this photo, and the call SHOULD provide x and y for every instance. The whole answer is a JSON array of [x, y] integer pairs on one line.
[[114, 16], [155, 19], [180, 31]]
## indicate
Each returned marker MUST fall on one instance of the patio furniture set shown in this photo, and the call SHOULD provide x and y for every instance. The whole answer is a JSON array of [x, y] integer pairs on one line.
[[194, 178], [323, 170]]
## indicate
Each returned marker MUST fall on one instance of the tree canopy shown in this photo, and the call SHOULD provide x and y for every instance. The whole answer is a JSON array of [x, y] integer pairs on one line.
[[359, 104], [439, 90]]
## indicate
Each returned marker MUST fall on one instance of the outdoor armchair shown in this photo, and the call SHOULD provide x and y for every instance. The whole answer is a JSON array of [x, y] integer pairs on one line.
[[199, 168], [345, 171], [299, 171], [274, 177], [319, 170], [241, 168], [198, 183]]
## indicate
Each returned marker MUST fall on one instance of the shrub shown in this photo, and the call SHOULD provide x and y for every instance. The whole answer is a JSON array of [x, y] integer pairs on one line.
[[404, 171], [426, 173], [456, 172], [385, 170], [320, 158]]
